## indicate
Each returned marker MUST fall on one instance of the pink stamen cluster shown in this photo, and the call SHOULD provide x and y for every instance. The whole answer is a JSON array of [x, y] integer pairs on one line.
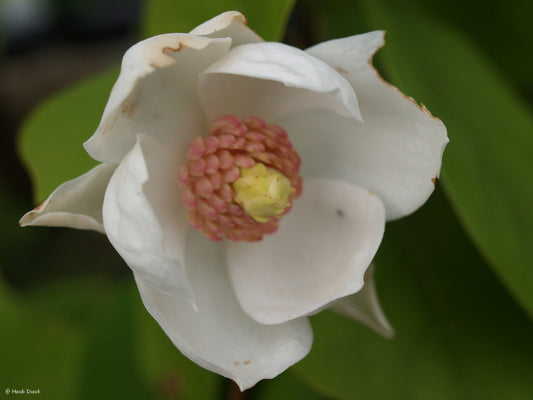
[[213, 164]]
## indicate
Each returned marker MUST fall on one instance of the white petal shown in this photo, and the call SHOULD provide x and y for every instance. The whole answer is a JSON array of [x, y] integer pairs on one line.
[[228, 24], [319, 254], [271, 80], [156, 94], [145, 218], [220, 336], [76, 203], [397, 153], [364, 307]]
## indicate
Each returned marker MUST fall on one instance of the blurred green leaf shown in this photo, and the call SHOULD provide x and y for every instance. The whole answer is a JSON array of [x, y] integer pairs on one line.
[[459, 335], [267, 18], [50, 141], [501, 29], [110, 369], [79, 301], [38, 352], [169, 372], [331, 20], [487, 164], [287, 386], [14, 241]]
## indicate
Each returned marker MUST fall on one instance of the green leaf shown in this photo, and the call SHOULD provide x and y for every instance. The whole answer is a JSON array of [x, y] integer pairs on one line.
[[506, 45], [71, 339], [487, 164], [459, 335], [110, 369], [287, 386], [79, 300], [39, 352], [51, 140], [267, 18]]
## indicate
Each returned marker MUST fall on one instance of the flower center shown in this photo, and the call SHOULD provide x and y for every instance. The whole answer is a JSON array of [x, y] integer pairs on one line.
[[262, 192], [240, 180]]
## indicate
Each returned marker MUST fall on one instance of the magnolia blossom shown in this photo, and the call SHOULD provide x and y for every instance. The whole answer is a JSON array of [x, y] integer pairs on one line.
[[325, 152]]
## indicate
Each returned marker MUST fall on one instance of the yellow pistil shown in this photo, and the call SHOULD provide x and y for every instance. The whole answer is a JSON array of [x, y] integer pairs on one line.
[[262, 192]]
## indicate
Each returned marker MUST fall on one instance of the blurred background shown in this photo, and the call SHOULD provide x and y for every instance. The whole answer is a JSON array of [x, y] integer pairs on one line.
[[455, 278]]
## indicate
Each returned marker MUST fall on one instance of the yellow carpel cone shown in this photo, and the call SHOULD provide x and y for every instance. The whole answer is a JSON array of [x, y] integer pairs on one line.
[[262, 192]]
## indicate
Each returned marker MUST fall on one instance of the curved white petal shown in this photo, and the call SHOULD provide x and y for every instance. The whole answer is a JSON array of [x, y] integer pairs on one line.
[[228, 24], [272, 80], [145, 218], [364, 307], [396, 153], [220, 336], [156, 94], [76, 203], [319, 254]]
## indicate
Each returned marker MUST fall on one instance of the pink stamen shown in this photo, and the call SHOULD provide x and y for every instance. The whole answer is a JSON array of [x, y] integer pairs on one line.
[[213, 164], [231, 175], [218, 204], [206, 210], [216, 180], [197, 168], [226, 159], [203, 187], [188, 198], [211, 144], [226, 193], [183, 176], [255, 136], [196, 149], [254, 147], [239, 144], [226, 141], [243, 161], [195, 220]]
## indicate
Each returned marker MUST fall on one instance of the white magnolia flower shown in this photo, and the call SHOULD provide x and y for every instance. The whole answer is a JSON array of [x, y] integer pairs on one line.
[[194, 129]]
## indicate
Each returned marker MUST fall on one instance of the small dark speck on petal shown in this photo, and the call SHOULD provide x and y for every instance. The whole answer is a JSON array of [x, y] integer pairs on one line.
[[340, 213], [247, 362], [236, 363]]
